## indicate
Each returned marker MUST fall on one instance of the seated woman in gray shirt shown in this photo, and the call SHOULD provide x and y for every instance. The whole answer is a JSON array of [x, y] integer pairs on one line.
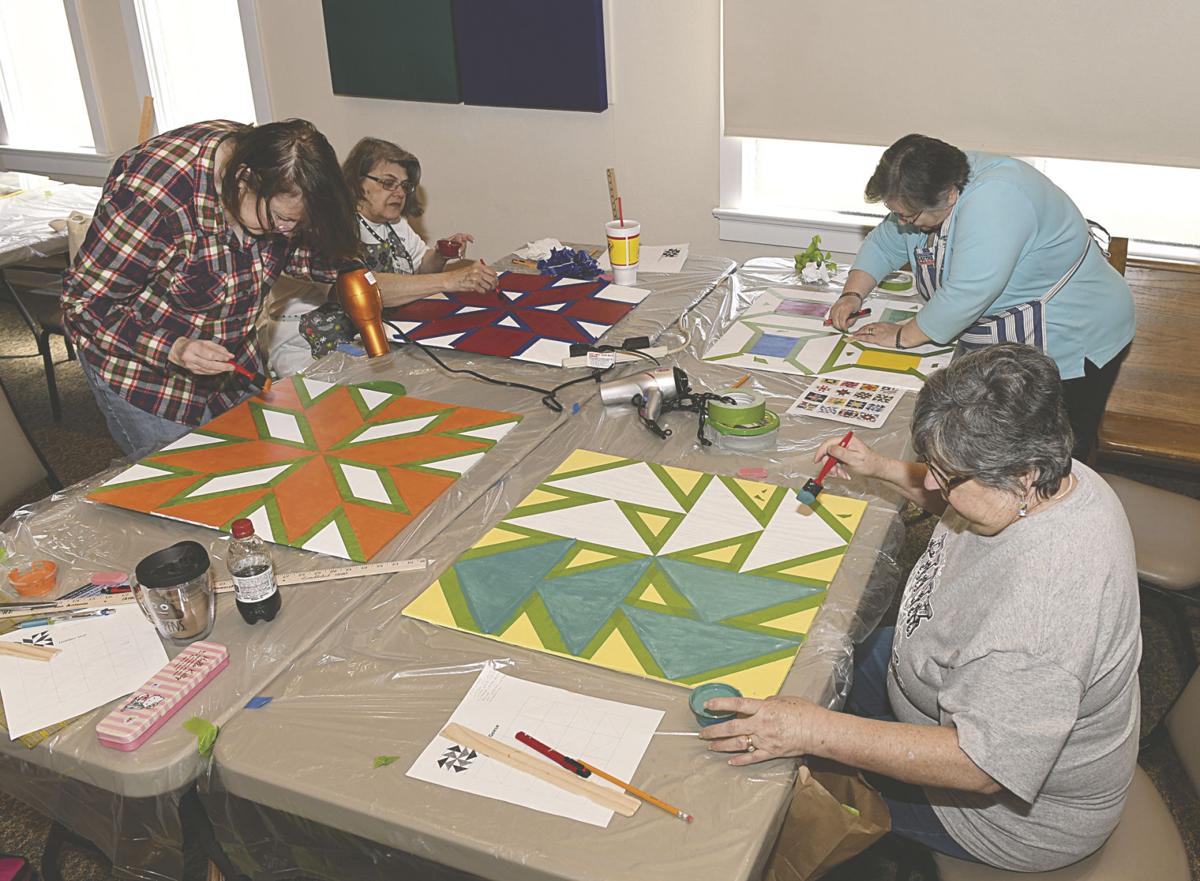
[[999, 717]]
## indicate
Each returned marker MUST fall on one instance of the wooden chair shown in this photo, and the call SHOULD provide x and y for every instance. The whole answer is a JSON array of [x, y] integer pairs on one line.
[[24, 465]]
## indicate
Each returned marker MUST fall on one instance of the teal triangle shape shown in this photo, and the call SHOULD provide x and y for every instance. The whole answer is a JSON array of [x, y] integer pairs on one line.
[[717, 594], [581, 604], [495, 585], [683, 647]]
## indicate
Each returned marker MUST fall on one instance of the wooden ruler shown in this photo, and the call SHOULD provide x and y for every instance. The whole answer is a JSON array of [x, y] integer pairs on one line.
[[623, 804], [361, 570], [613, 192]]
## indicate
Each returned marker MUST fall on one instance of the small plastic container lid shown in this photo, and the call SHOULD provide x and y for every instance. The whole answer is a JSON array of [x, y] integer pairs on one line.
[[242, 528], [173, 566]]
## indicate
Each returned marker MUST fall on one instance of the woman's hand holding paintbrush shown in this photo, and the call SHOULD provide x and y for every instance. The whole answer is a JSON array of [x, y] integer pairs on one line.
[[202, 357]]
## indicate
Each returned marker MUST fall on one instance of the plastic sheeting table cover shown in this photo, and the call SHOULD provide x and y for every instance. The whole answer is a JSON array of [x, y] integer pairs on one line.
[[294, 787], [25, 216], [129, 804]]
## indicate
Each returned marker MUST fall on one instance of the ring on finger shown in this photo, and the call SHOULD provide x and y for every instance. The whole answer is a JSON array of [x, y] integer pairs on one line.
[[750, 743]]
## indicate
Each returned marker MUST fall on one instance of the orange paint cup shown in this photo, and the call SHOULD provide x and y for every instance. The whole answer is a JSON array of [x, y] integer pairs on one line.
[[37, 580]]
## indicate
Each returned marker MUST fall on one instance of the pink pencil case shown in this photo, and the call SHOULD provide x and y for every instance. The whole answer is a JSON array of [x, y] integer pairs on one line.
[[144, 712]]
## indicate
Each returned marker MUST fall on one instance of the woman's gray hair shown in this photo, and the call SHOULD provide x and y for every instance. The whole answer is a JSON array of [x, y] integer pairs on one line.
[[996, 415]]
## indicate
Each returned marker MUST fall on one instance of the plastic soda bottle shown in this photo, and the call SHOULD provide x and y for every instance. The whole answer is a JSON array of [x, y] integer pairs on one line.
[[253, 574]]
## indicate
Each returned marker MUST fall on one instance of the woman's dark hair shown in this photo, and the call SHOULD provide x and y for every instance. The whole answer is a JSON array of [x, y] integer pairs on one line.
[[918, 172], [368, 153], [291, 156], [995, 415]]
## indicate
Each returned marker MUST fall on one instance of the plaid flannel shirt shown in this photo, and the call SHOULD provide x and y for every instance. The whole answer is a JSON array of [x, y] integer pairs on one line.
[[159, 263]]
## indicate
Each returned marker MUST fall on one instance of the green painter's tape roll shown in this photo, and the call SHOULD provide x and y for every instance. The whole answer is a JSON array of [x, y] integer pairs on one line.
[[747, 408], [768, 423], [897, 281]]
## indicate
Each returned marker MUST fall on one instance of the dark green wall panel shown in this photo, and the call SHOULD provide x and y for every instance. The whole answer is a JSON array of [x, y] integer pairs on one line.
[[392, 49]]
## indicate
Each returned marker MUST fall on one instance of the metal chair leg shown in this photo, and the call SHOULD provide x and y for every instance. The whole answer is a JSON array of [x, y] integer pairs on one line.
[[51, 381]]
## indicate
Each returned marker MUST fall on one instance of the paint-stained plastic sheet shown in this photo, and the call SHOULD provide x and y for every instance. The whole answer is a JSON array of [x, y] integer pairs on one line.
[[294, 787], [140, 807]]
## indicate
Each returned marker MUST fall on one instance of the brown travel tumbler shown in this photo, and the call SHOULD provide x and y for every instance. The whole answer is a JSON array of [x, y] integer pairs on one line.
[[360, 297]]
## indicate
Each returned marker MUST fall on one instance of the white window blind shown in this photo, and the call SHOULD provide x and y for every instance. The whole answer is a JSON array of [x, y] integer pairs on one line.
[[1073, 79]]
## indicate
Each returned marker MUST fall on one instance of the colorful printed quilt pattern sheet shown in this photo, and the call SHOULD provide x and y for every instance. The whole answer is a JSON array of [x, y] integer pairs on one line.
[[337, 469], [653, 570], [784, 332], [528, 317]]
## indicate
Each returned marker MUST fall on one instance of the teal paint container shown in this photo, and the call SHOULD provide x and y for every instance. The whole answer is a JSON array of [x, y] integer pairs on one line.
[[702, 693]]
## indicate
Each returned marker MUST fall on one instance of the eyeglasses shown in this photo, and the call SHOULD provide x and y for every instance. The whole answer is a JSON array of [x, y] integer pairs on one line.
[[945, 482], [908, 219], [391, 183], [282, 225]]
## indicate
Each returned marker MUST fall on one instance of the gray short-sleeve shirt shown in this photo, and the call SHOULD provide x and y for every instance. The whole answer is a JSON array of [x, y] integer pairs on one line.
[[1028, 642]]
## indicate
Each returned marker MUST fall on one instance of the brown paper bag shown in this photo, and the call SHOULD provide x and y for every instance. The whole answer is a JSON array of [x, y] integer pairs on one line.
[[818, 831]]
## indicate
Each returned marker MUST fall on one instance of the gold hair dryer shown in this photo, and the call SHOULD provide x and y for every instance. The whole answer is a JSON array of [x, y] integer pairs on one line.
[[360, 297]]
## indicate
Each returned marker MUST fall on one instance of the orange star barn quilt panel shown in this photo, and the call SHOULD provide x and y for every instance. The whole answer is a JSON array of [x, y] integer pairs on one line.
[[337, 469], [652, 570]]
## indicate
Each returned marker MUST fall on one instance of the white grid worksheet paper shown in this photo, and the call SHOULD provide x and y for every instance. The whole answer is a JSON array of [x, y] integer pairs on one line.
[[610, 735], [101, 660]]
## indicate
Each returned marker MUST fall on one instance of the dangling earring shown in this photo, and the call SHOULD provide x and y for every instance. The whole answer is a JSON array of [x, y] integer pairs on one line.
[[1023, 510]]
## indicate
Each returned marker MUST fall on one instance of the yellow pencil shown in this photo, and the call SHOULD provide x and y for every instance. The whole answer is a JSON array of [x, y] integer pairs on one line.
[[637, 793], [741, 382]]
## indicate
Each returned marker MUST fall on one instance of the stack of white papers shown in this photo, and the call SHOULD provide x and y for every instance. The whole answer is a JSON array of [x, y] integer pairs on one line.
[[101, 660]]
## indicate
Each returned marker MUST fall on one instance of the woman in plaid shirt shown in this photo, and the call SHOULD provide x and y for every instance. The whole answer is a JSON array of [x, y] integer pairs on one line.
[[192, 230]]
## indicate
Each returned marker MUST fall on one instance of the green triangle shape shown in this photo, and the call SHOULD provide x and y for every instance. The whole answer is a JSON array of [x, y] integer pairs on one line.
[[580, 604], [683, 647], [674, 601], [614, 557], [495, 586], [686, 498], [567, 498], [761, 509], [742, 545], [642, 518], [716, 594]]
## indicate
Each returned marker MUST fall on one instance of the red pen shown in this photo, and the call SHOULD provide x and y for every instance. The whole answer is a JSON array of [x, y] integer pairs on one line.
[[861, 313], [554, 755]]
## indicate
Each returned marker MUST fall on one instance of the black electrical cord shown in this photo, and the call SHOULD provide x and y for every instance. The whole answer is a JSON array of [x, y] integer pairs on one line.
[[549, 396]]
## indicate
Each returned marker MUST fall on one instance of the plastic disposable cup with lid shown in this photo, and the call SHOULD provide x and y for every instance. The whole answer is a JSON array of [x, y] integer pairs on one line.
[[624, 242]]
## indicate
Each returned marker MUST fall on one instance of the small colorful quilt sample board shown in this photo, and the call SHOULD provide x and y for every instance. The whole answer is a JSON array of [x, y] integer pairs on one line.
[[784, 332], [337, 469], [528, 317], [867, 404], [652, 570]]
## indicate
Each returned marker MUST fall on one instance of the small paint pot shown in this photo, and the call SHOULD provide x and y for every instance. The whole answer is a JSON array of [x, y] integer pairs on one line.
[[38, 580], [701, 694]]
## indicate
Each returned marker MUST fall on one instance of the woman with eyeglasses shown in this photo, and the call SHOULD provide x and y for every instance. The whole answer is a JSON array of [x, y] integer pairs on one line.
[[383, 179], [193, 228], [999, 254], [999, 716]]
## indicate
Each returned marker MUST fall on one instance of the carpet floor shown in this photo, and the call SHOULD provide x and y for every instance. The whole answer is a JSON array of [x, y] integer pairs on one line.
[[79, 446]]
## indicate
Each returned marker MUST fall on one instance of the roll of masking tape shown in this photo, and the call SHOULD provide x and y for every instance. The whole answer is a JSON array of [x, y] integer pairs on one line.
[[767, 424], [897, 281], [747, 408]]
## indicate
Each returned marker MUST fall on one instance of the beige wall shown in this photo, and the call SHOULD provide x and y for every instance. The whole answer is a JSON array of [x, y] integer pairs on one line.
[[509, 176]]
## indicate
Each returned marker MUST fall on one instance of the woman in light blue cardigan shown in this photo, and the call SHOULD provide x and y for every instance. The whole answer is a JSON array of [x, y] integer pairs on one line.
[[984, 234]]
